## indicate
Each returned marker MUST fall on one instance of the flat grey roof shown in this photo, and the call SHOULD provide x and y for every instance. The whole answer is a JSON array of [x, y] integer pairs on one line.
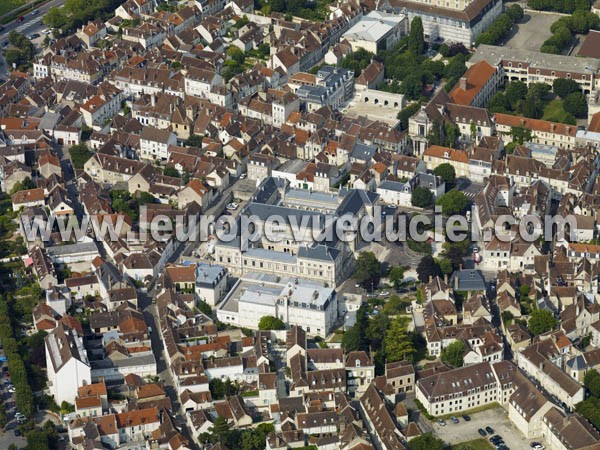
[[494, 55], [67, 249]]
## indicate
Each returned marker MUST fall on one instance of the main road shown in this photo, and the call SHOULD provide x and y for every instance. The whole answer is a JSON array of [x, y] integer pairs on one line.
[[31, 24]]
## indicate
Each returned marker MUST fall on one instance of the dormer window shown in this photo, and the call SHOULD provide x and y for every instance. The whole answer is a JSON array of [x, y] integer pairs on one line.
[[357, 363]]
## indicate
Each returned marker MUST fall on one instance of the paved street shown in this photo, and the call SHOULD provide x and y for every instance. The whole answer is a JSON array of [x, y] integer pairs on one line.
[[164, 372], [31, 24]]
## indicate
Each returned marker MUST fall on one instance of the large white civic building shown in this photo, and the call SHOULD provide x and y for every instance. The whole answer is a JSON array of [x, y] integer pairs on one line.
[[296, 301]]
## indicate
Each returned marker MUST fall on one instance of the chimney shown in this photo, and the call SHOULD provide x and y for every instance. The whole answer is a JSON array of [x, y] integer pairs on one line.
[[446, 278], [430, 278], [552, 127], [462, 83], [153, 100]]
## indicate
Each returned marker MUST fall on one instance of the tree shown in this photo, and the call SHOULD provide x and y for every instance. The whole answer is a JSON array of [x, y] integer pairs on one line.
[[357, 61], [446, 266], [412, 86], [426, 442], [435, 134], [55, 18], [421, 197], [80, 154], [565, 86], [592, 382], [220, 389], [220, 428], [576, 104], [351, 339], [520, 135], [447, 173], [416, 41], [507, 317], [271, 323], [377, 330], [398, 343], [590, 409], [453, 354], [37, 440], [515, 12], [193, 141], [22, 185], [396, 275], [428, 268], [170, 171], [394, 305], [407, 113], [355, 338], [540, 321], [514, 93], [368, 269], [453, 202]]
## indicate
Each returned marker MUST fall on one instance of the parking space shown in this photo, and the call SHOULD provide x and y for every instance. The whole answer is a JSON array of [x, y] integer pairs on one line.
[[533, 30], [496, 418]]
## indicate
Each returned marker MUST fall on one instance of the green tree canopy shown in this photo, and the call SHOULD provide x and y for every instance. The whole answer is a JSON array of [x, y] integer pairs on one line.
[[565, 86], [428, 268], [194, 140], [22, 185], [396, 275], [576, 104], [447, 173], [592, 382], [416, 40], [367, 270], [421, 197], [453, 202], [453, 354], [540, 321], [426, 442], [80, 154], [398, 343], [271, 323]]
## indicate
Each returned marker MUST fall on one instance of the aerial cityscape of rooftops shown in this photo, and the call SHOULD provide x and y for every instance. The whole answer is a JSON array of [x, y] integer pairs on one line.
[[299, 224]]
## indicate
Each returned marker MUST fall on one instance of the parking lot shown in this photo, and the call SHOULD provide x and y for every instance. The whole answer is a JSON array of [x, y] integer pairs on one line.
[[496, 418], [533, 30]]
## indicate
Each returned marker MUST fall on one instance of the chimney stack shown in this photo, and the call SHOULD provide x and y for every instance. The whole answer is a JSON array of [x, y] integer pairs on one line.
[[462, 83]]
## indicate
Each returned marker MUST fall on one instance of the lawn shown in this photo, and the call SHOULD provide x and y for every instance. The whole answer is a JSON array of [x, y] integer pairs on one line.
[[477, 444], [554, 112], [7, 6]]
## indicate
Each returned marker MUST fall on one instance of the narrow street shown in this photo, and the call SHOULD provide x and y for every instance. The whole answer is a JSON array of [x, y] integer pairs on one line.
[[163, 371]]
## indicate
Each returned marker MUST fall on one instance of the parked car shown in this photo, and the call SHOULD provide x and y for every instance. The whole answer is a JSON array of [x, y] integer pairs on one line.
[[466, 418], [34, 36], [17, 432], [537, 446], [454, 419], [35, 13], [442, 422], [20, 19], [489, 429], [496, 440], [242, 176], [482, 432]]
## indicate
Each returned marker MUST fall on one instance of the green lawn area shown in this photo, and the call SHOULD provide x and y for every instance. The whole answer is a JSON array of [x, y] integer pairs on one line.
[[477, 444], [554, 112], [7, 6]]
